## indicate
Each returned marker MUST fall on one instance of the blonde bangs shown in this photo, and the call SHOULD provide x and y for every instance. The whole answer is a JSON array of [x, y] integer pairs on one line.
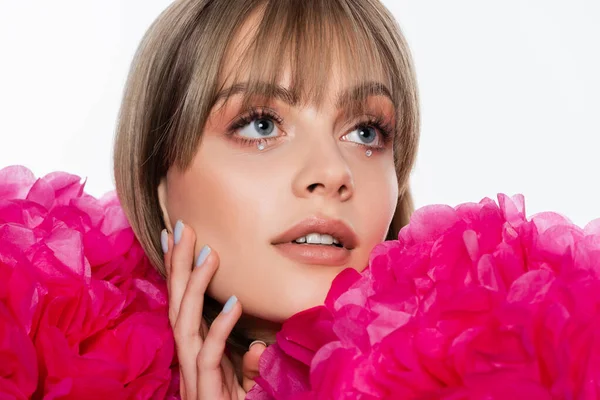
[[308, 39]]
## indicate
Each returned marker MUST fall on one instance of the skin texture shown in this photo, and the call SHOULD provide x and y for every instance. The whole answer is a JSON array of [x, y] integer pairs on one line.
[[237, 199]]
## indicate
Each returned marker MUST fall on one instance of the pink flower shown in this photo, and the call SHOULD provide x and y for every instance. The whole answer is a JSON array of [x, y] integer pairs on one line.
[[18, 369], [83, 311], [472, 302]]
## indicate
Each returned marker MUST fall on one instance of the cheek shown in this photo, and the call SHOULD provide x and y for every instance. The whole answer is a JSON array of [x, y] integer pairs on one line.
[[376, 199], [229, 202], [221, 196]]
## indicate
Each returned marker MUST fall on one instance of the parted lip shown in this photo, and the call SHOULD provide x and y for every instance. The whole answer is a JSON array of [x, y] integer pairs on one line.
[[325, 226]]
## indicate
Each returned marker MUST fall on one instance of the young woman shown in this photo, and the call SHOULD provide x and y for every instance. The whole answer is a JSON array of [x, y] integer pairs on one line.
[[262, 148]]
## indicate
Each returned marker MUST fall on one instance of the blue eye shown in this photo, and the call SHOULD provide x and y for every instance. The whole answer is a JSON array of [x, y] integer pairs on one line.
[[259, 129], [365, 135]]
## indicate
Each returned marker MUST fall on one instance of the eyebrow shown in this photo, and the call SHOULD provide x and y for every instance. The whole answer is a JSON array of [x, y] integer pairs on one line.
[[355, 94]]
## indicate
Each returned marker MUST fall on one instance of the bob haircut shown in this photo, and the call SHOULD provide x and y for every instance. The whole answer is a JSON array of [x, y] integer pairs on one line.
[[176, 79]]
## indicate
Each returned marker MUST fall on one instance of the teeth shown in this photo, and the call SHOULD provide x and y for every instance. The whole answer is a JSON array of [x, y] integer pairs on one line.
[[313, 238], [326, 239], [317, 238]]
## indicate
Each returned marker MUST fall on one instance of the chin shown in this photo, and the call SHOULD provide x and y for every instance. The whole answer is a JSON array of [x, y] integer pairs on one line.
[[282, 310], [316, 298]]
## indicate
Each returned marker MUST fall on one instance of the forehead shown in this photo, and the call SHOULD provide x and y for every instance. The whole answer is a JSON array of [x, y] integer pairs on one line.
[[313, 67]]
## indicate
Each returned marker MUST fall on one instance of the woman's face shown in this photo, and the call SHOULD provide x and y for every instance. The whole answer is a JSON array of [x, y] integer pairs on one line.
[[265, 179]]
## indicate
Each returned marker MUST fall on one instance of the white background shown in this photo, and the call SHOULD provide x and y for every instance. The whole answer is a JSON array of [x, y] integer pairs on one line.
[[510, 94]]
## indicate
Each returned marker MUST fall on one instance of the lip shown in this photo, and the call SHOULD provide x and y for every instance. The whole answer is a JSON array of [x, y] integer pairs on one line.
[[318, 254], [314, 254], [325, 226]]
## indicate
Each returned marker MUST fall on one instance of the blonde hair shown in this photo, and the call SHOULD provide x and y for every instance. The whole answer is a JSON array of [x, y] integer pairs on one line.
[[177, 73]]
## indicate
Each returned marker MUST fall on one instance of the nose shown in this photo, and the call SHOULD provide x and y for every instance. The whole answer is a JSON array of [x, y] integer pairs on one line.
[[324, 173]]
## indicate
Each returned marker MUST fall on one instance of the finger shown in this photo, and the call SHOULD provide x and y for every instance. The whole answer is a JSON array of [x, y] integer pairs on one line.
[[189, 319], [166, 242], [187, 326], [250, 364], [182, 257], [228, 372], [210, 376], [182, 392]]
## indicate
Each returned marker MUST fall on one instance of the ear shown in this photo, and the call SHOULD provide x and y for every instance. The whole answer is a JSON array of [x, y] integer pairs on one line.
[[162, 200]]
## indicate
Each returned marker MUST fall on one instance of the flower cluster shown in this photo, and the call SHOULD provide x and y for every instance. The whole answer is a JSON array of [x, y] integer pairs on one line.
[[471, 302], [82, 312]]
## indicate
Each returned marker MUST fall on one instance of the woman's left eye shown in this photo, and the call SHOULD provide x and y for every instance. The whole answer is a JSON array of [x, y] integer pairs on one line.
[[365, 135], [261, 128]]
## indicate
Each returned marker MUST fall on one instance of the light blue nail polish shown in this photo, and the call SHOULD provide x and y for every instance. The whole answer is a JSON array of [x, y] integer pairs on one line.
[[178, 231], [164, 241], [229, 305], [204, 253]]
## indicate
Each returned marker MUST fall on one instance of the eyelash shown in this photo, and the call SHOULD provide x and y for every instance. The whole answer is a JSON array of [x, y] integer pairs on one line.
[[382, 126], [250, 116]]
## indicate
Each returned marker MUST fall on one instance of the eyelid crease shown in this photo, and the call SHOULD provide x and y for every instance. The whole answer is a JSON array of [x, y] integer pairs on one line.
[[252, 114], [384, 125]]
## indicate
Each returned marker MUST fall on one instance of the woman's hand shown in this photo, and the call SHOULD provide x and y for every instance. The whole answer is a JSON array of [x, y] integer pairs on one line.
[[206, 373]]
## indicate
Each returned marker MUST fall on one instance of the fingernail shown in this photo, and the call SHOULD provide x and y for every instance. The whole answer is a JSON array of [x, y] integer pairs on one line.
[[204, 253], [178, 231], [229, 305], [164, 241]]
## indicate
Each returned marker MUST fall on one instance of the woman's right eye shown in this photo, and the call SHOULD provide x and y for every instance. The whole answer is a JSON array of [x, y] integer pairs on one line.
[[260, 128]]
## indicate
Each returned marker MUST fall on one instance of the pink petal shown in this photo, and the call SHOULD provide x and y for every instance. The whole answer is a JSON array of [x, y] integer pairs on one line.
[[15, 182]]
